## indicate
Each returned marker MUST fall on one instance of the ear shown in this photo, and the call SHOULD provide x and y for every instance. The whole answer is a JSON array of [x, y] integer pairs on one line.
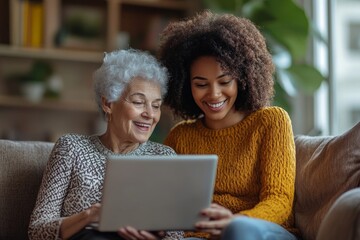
[[106, 105]]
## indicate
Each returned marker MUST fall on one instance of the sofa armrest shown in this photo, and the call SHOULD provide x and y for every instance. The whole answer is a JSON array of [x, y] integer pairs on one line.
[[326, 168], [22, 165], [342, 221]]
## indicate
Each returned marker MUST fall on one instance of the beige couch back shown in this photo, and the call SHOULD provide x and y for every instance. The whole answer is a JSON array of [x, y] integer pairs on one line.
[[21, 169]]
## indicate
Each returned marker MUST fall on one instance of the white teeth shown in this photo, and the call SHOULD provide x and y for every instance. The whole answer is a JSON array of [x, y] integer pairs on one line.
[[143, 124], [216, 105]]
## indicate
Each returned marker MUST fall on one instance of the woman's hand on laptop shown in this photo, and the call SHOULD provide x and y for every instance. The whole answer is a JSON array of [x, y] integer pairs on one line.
[[74, 223], [93, 212], [219, 218], [130, 233]]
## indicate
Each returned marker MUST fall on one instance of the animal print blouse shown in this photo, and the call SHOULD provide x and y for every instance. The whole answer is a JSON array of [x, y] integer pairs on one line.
[[73, 181]]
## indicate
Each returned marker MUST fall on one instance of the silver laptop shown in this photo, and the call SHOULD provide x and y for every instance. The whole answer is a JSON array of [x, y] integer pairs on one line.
[[156, 192]]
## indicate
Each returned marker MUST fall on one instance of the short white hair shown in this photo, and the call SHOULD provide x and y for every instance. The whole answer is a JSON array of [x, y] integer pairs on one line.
[[120, 67]]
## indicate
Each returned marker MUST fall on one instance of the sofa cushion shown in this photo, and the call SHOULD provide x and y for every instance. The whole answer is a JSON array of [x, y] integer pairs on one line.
[[22, 165], [342, 221], [326, 168]]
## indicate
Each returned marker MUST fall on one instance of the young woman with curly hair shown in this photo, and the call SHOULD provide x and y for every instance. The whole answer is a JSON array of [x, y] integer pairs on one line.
[[221, 83]]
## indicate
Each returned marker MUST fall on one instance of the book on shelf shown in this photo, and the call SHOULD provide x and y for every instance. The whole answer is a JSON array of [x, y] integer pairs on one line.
[[15, 22], [51, 21], [25, 27], [36, 24], [27, 23]]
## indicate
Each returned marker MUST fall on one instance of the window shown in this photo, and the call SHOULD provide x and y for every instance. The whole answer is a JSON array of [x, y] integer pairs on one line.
[[336, 105]]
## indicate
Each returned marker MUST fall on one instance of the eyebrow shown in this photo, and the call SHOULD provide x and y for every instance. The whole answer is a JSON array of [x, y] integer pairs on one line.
[[202, 78], [143, 95], [137, 94]]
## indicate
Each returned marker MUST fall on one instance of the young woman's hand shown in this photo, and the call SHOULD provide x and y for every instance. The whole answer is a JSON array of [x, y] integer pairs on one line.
[[219, 218], [130, 233]]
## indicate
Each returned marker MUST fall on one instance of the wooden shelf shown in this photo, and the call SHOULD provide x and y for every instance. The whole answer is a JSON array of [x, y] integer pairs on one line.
[[71, 55], [51, 54], [167, 4], [48, 104]]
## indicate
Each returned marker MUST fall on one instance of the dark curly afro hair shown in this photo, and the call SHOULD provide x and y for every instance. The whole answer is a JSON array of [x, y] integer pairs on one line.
[[237, 45]]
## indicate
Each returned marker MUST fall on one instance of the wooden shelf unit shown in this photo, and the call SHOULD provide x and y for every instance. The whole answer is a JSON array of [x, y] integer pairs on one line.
[[140, 20], [51, 54], [48, 104], [112, 13]]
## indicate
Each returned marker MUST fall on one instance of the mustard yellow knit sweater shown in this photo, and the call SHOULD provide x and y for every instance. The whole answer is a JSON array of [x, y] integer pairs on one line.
[[256, 167]]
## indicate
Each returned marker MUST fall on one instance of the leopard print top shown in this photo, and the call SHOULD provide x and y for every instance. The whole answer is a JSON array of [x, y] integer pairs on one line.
[[73, 181]]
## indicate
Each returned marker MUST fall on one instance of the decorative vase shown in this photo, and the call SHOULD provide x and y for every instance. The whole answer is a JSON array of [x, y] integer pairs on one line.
[[33, 91]]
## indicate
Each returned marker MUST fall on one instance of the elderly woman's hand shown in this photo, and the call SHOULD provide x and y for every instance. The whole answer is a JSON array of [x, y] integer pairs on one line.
[[130, 233], [93, 213], [219, 218], [71, 225]]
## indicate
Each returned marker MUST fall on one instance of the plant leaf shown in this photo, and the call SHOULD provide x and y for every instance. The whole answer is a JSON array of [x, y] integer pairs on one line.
[[286, 22], [229, 6], [281, 98], [305, 77], [284, 79]]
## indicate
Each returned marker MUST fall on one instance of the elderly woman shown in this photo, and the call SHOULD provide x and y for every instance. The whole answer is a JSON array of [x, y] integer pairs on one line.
[[129, 88]]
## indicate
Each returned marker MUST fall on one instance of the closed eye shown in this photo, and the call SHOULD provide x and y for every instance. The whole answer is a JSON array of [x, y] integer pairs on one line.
[[138, 102], [226, 82], [200, 85], [156, 106]]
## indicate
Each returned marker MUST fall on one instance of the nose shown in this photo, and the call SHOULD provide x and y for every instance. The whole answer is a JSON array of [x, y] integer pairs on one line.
[[215, 91], [148, 111]]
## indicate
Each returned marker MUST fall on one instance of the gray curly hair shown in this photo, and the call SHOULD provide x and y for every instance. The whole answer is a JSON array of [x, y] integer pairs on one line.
[[120, 67]]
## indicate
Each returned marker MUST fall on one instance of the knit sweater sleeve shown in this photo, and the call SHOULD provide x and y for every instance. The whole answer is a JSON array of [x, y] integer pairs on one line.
[[46, 217], [277, 169]]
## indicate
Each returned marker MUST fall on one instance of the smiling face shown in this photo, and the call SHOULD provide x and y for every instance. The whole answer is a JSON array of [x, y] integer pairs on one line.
[[135, 115], [215, 92]]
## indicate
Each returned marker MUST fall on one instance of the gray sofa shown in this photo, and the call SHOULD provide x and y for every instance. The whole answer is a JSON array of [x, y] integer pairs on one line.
[[326, 168]]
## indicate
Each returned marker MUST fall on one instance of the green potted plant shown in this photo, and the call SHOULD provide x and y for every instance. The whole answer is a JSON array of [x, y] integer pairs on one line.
[[286, 28], [33, 84]]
